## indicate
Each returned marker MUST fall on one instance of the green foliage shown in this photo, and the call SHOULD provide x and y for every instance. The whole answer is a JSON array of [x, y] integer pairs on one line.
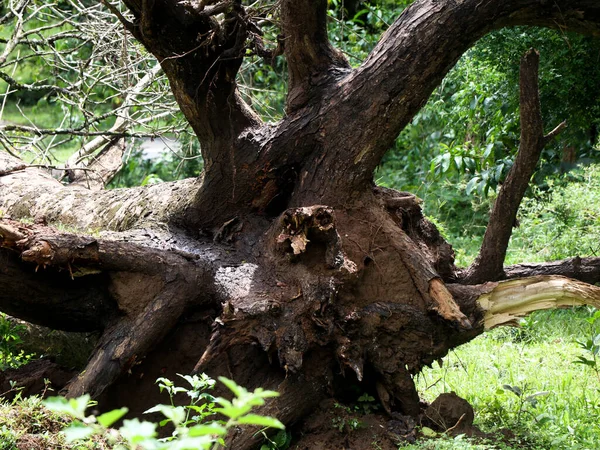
[[279, 441], [591, 345], [193, 430], [10, 355], [562, 222], [460, 442], [524, 384], [461, 145]]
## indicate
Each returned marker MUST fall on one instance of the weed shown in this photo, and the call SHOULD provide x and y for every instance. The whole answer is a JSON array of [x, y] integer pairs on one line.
[[591, 345], [192, 429], [10, 356]]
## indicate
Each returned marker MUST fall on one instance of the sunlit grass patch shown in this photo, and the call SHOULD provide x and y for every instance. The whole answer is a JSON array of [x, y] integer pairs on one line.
[[525, 380]]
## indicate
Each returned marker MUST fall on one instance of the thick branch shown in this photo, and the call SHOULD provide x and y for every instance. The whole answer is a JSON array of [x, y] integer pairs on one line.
[[27, 192], [201, 58], [51, 298], [582, 269], [129, 339], [310, 55], [412, 58], [488, 266]]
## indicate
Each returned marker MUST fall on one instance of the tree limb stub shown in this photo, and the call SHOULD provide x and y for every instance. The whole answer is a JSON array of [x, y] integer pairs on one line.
[[488, 265], [509, 300], [308, 52]]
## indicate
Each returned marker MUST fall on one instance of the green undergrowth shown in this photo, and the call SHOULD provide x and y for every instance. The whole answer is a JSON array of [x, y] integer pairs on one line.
[[560, 220], [524, 380], [60, 423]]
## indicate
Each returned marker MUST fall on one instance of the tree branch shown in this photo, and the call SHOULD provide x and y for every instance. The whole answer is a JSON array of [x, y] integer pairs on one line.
[[102, 168], [582, 269], [52, 298], [32, 193], [121, 123], [488, 265], [201, 57], [310, 56], [410, 61]]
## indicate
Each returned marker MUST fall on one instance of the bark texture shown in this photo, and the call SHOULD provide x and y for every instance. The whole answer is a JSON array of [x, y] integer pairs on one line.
[[488, 266], [283, 266]]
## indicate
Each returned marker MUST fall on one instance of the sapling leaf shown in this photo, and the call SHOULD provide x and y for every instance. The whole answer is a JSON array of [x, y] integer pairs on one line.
[[108, 418], [135, 431], [238, 391], [262, 421], [77, 431], [209, 429]]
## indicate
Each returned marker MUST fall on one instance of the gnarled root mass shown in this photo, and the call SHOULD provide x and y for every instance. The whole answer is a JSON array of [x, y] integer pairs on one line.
[[316, 300]]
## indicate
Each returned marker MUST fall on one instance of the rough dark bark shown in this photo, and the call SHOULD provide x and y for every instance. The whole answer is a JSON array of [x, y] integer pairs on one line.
[[489, 263], [282, 266]]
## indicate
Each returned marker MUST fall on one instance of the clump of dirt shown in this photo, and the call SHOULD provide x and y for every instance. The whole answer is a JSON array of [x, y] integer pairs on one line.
[[450, 414], [335, 427]]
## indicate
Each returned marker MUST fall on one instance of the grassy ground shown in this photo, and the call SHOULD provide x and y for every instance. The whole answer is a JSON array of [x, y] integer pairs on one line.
[[559, 403]]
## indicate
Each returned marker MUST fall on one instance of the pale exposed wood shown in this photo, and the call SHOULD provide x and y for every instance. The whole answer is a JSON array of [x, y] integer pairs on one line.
[[445, 305], [512, 299]]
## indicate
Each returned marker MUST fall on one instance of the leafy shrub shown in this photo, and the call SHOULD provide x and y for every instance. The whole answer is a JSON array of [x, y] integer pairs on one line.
[[10, 356], [193, 429]]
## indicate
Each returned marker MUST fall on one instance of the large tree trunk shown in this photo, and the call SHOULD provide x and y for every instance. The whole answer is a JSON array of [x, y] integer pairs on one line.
[[283, 265]]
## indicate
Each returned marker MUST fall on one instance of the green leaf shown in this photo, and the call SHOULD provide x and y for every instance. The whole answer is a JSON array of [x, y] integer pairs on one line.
[[471, 185], [234, 412], [77, 432], [210, 429], [173, 413], [261, 421], [428, 432], [445, 162], [514, 389], [238, 391], [488, 150], [135, 431], [74, 407], [107, 419]]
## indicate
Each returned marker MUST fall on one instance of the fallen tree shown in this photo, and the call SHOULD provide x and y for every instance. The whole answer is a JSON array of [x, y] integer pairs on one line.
[[283, 265]]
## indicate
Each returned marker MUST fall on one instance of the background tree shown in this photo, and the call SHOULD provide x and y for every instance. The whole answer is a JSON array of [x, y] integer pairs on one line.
[[283, 265]]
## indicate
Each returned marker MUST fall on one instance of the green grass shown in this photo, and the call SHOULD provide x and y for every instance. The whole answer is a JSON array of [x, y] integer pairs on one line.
[[561, 221], [536, 358]]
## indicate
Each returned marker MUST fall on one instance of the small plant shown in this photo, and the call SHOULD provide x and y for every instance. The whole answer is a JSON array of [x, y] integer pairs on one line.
[[10, 338], [192, 431], [366, 404], [591, 345], [279, 441], [343, 422], [525, 400]]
